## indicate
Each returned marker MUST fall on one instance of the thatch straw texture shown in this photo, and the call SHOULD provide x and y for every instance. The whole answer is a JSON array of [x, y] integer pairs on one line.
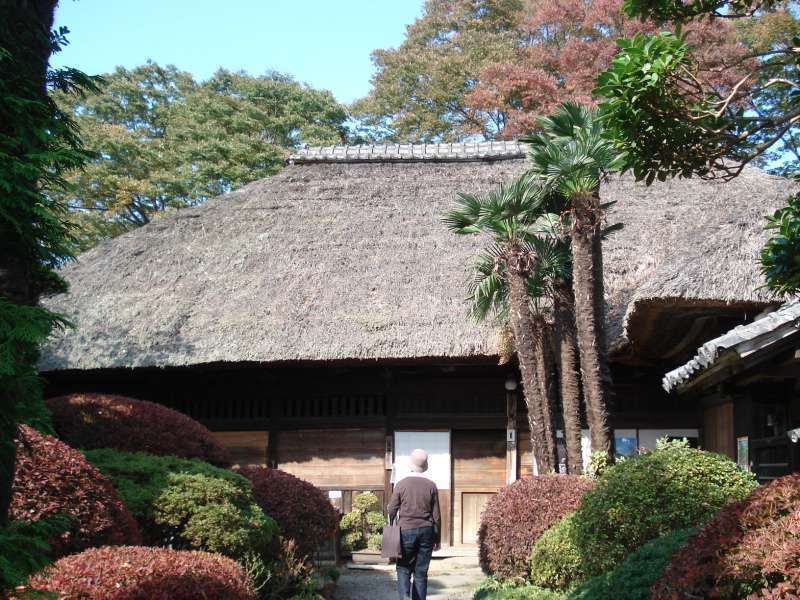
[[350, 261]]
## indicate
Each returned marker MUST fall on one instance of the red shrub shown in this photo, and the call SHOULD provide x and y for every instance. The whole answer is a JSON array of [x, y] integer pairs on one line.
[[90, 421], [141, 573], [748, 545], [53, 479], [302, 510], [521, 512]]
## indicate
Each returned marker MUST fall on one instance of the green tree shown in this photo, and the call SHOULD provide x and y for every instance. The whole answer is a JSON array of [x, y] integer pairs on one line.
[[38, 143], [569, 158], [671, 118], [508, 277], [165, 141]]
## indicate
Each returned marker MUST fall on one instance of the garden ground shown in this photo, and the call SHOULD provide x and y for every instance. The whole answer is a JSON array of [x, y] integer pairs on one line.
[[451, 578]]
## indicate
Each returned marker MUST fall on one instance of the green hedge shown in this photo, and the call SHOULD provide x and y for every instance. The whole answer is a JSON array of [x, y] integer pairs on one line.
[[556, 561], [495, 589], [189, 504], [634, 577], [651, 495]]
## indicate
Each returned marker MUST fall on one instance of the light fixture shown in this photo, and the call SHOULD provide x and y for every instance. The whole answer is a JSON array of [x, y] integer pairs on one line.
[[511, 384]]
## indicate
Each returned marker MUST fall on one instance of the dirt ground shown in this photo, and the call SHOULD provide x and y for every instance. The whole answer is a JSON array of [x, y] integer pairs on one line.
[[448, 579]]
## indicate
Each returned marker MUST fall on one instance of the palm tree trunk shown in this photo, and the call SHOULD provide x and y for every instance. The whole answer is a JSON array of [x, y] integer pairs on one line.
[[569, 378], [589, 317], [24, 32], [545, 364], [522, 326]]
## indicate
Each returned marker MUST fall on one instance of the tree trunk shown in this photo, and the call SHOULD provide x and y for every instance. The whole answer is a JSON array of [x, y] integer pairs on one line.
[[545, 365], [522, 326], [569, 378], [24, 32], [589, 319]]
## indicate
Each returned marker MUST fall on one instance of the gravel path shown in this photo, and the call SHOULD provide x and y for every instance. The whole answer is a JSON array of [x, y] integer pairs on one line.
[[448, 579]]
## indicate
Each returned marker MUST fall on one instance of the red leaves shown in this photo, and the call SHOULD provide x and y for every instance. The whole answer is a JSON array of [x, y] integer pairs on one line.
[[92, 421], [53, 479], [519, 514], [131, 572], [302, 510], [749, 545]]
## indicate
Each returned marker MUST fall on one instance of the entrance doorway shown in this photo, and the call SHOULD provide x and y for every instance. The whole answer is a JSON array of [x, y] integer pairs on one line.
[[437, 445]]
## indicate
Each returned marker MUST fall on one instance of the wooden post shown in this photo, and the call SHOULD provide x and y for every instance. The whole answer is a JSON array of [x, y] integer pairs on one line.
[[511, 437]]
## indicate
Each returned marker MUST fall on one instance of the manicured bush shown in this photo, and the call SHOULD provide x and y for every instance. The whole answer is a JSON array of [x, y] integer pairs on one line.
[[518, 515], [189, 504], [90, 421], [135, 573], [650, 495], [556, 561], [288, 575], [53, 480], [634, 576], [494, 589], [302, 510], [363, 526], [752, 546]]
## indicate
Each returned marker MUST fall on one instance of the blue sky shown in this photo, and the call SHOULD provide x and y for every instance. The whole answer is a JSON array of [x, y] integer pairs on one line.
[[326, 43]]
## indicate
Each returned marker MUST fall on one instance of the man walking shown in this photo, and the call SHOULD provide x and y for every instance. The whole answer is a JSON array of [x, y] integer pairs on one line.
[[417, 500]]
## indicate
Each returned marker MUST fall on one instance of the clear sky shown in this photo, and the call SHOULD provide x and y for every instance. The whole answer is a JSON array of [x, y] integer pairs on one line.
[[325, 43]]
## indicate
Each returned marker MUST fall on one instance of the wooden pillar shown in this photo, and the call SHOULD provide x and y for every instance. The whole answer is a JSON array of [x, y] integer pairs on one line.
[[511, 436]]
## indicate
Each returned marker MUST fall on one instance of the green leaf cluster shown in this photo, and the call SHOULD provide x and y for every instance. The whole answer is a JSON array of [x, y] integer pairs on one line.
[[188, 503], [362, 527], [556, 560], [24, 548], [780, 256], [164, 141]]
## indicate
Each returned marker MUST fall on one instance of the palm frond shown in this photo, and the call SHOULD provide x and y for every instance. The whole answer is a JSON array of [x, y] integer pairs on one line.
[[465, 218]]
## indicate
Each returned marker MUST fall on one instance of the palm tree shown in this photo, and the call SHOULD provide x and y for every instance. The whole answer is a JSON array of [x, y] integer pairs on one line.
[[503, 274], [569, 157]]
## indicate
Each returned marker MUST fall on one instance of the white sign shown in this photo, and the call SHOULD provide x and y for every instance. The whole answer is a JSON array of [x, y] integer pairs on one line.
[[435, 443]]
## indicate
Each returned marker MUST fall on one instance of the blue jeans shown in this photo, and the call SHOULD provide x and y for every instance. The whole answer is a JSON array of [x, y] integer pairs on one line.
[[417, 549]]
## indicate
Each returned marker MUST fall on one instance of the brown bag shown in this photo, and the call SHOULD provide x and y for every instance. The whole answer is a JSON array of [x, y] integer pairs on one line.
[[391, 546]]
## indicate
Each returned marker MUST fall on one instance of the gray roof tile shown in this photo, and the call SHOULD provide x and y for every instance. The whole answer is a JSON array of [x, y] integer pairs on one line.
[[409, 152]]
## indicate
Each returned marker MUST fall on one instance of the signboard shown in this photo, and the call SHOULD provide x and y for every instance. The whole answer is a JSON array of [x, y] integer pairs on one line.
[[743, 452]]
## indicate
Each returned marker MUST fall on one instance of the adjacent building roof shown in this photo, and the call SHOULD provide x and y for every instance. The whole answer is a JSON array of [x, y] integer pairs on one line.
[[739, 344], [335, 259]]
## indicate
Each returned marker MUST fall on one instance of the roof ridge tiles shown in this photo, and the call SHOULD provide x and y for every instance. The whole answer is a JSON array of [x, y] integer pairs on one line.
[[399, 152]]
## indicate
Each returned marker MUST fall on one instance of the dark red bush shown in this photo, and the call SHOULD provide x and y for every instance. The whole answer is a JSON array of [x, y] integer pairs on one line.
[[141, 573], [90, 421], [302, 510], [749, 545], [521, 512], [53, 479]]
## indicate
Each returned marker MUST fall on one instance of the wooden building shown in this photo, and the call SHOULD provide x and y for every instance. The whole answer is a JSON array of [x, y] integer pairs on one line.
[[316, 321], [747, 382]]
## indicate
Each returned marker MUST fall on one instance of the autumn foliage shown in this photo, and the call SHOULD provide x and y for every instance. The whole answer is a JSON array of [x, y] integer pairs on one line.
[[519, 514], [302, 510], [131, 572], [90, 421], [750, 547], [52, 479]]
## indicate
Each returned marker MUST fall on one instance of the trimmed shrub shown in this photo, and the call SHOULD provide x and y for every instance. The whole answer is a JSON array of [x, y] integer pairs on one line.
[[494, 589], [633, 578], [750, 547], [54, 480], [556, 561], [519, 514], [289, 575], [90, 421], [302, 510], [650, 495], [128, 573], [362, 527], [189, 504]]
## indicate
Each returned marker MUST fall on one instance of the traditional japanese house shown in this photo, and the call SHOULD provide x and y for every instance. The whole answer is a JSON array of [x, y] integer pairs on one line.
[[316, 321], [747, 382]]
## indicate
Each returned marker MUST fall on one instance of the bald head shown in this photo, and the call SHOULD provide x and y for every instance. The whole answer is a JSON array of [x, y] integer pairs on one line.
[[419, 461]]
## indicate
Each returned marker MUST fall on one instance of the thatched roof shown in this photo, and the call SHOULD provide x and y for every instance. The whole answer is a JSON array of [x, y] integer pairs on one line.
[[347, 259]]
